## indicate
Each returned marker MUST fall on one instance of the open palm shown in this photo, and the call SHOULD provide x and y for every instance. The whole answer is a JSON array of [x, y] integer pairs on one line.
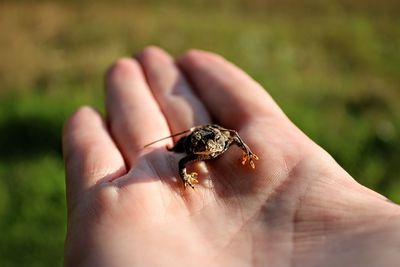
[[127, 205]]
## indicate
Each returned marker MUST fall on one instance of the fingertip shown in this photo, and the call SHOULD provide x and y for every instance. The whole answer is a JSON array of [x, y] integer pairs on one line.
[[150, 53], [197, 56], [157, 65], [121, 71], [83, 113]]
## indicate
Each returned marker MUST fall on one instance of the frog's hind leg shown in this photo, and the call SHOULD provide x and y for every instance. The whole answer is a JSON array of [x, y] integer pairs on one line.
[[189, 179]]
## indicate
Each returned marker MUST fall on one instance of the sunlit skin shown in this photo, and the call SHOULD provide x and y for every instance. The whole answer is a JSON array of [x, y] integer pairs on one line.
[[127, 205]]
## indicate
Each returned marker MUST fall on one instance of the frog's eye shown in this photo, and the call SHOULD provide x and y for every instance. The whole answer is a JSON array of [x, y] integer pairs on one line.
[[226, 133]]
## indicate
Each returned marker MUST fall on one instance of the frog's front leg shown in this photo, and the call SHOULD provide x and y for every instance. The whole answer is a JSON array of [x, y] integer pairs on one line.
[[188, 178], [247, 155], [179, 147]]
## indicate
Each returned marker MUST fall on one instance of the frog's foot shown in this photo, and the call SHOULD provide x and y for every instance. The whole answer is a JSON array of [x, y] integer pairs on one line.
[[190, 179], [249, 157]]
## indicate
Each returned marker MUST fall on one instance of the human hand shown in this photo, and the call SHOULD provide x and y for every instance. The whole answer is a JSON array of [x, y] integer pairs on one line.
[[127, 205]]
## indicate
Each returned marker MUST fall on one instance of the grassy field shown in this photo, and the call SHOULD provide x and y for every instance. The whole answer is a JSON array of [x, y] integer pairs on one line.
[[333, 66]]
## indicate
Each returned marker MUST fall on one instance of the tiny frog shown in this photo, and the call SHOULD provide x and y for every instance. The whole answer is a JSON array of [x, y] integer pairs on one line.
[[206, 142]]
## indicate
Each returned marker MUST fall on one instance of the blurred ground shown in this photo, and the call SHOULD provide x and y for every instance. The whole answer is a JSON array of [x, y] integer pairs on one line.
[[333, 66]]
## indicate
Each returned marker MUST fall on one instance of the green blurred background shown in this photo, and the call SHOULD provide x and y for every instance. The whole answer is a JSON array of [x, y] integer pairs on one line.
[[333, 66]]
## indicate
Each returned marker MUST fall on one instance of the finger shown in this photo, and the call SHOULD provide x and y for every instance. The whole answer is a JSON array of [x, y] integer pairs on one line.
[[180, 105], [231, 96], [89, 152], [134, 115]]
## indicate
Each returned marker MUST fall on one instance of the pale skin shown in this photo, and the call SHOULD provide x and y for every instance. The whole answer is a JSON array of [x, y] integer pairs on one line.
[[128, 207]]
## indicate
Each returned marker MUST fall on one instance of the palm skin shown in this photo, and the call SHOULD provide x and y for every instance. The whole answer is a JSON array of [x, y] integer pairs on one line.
[[128, 207]]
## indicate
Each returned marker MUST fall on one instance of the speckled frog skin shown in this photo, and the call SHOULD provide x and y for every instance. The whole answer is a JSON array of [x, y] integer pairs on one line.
[[208, 142]]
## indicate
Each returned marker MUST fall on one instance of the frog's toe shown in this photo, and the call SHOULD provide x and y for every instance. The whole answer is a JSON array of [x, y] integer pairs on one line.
[[243, 158], [252, 158], [249, 157], [191, 179]]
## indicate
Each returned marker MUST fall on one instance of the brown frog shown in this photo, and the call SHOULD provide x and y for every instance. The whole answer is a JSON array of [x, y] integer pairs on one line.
[[208, 142]]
